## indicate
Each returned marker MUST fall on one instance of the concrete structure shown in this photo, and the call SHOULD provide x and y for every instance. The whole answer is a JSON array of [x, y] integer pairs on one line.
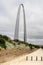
[[17, 23], [36, 55]]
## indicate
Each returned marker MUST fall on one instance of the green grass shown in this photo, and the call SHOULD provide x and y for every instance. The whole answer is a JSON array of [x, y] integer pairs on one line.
[[6, 42]]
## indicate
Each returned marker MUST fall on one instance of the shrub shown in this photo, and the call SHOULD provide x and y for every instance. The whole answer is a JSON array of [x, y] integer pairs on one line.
[[10, 41], [18, 43], [2, 43], [14, 44], [0, 36], [5, 37], [36, 46], [26, 44], [42, 47], [30, 45], [16, 40]]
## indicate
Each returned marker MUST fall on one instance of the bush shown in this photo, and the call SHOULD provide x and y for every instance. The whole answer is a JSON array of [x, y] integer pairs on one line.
[[36, 46], [30, 45], [42, 47], [0, 36], [16, 40], [2, 43], [26, 44], [14, 44], [10, 41], [18, 43], [5, 37]]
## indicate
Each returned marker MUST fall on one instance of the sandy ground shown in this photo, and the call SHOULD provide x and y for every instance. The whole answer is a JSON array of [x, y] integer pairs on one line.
[[9, 54], [21, 60]]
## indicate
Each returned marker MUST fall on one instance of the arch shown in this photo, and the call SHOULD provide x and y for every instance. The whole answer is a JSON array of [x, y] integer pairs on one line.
[[17, 23]]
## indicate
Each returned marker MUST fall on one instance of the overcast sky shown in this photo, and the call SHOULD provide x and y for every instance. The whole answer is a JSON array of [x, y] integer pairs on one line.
[[33, 13]]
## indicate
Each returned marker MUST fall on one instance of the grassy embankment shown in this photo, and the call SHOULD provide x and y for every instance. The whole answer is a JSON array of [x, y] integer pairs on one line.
[[6, 42], [10, 49]]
